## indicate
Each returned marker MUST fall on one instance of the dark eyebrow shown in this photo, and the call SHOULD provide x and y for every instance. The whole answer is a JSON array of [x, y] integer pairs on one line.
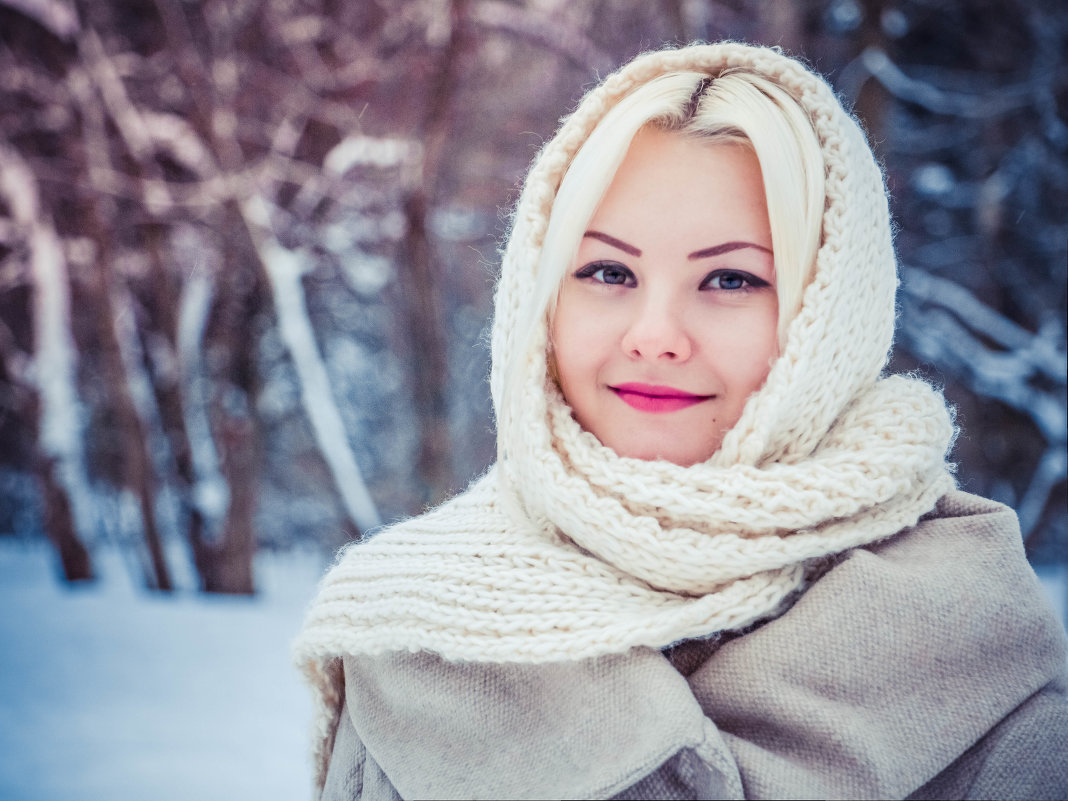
[[726, 247], [611, 240]]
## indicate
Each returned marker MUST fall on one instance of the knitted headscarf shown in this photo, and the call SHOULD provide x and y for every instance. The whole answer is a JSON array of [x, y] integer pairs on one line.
[[565, 550]]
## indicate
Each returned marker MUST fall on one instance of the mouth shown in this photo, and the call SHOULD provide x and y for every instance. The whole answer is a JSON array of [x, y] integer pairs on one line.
[[655, 398]]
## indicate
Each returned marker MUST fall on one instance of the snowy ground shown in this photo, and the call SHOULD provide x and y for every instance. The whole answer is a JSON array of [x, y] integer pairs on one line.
[[112, 693], [108, 692]]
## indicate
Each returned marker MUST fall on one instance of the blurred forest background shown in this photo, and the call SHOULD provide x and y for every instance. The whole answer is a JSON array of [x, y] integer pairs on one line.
[[247, 247]]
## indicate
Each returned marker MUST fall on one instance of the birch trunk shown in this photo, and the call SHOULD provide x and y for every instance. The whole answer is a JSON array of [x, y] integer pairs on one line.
[[61, 460], [207, 490], [283, 268]]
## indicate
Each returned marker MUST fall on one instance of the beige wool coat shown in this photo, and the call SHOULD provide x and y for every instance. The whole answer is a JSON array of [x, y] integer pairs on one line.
[[929, 665]]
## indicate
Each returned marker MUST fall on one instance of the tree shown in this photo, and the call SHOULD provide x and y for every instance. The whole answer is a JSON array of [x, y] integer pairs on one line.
[[279, 222]]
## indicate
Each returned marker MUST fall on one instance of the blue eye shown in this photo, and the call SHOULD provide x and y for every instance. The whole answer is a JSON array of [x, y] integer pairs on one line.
[[732, 281], [607, 272]]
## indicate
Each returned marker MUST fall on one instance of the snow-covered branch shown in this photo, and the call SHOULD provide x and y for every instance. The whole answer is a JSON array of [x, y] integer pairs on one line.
[[55, 15], [937, 336], [947, 326], [55, 355], [880, 66], [1052, 469], [284, 269], [1029, 352]]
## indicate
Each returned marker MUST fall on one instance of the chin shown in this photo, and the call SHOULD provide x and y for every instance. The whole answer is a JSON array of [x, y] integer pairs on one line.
[[655, 451]]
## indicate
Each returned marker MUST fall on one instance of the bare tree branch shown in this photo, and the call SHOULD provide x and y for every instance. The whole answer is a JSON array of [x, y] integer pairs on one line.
[[543, 31], [876, 63], [55, 15]]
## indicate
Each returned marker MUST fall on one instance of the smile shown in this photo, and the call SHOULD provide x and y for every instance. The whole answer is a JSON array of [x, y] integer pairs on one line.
[[656, 399]]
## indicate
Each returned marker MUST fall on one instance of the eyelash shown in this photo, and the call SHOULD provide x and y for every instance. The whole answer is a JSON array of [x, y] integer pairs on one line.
[[749, 280], [591, 270]]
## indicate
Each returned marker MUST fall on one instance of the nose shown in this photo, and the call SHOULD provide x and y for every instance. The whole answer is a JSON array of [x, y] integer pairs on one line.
[[657, 331]]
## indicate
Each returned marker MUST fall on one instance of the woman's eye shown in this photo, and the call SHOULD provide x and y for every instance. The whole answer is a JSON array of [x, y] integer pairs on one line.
[[732, 281], [606, 273], [727, 281], [611, 275]]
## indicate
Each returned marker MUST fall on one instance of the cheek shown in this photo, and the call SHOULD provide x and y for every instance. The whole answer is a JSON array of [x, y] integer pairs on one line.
[[743, 343], [763, 347], [565, 334], [570, 358], [580, 336]]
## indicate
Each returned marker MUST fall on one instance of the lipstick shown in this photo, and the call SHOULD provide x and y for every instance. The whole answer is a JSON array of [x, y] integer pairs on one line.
[[655, 398]]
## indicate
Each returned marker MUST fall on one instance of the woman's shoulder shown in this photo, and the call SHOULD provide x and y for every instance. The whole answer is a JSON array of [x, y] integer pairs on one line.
[[922, 644], [969, 514], [959, 577], [962, 534], [966, 558]]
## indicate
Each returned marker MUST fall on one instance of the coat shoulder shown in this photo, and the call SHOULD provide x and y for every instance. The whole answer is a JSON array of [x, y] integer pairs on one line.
[[896, 662]]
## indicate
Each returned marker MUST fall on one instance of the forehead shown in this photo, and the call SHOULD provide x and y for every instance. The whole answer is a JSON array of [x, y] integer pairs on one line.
[[676, 184]]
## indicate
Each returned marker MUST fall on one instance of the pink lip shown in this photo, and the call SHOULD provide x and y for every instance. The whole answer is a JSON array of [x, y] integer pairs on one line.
[[655, 398]]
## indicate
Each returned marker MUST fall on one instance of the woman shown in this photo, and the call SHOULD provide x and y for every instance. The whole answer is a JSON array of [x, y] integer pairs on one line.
[[719, 556]]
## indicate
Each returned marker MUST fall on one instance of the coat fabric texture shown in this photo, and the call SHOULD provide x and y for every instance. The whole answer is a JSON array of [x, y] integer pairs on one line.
[[926, 666], [814, 611]]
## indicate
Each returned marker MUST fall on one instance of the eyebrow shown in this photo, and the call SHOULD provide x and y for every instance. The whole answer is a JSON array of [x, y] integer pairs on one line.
[[726, 247], [715, 250], [616, 243]]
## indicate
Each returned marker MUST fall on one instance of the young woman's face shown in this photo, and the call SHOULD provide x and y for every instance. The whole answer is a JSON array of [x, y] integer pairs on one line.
[[666, 322]]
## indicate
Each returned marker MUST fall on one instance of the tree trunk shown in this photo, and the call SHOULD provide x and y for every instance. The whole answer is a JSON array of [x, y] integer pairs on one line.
[[138, 474], [59, 462], [226, 566], [59, 524], [870, 106], [419, 276], [169, 398], [427, 359], [224, 561]]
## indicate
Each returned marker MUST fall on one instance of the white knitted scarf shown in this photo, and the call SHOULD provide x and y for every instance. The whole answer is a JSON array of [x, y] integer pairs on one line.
[[565, 550]]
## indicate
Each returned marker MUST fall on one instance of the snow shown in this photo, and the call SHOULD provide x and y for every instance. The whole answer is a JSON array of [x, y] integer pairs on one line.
[[111, 692], [372, 151]]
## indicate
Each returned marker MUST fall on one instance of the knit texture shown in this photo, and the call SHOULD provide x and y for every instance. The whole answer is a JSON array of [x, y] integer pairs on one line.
[[565, 550]]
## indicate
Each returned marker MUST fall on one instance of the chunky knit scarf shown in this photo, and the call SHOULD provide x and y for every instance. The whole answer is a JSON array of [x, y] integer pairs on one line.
[[565, 550]]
